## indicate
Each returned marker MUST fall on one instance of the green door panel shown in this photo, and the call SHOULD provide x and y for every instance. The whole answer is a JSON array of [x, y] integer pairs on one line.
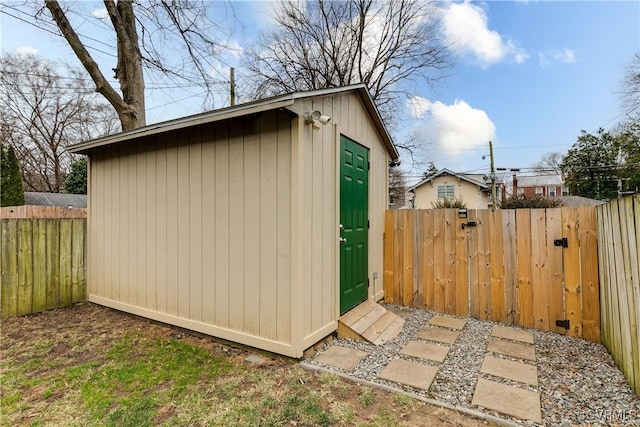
[[354, 218]]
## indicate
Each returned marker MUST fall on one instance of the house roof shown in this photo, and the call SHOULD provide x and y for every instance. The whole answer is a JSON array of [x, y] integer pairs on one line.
[[273, 103], [573, 201], [55, 199], [464, 177], [539, 180]]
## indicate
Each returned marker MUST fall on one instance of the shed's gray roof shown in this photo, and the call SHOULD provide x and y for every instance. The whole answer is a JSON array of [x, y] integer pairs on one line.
[[276, 102], [55, 199], [445, 171], [573, 201]]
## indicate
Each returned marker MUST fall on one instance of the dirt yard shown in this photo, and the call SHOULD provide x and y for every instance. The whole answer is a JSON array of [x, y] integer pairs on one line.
[[90, 365]]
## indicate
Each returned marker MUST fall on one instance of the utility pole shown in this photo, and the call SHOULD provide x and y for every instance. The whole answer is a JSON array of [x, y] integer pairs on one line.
[[493, 178], [232, 85]]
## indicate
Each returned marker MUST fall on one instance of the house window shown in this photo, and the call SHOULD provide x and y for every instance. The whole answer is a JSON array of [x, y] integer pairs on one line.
[[539, 191], [446, 191], [565, 190], [520, 191], [551, 191]]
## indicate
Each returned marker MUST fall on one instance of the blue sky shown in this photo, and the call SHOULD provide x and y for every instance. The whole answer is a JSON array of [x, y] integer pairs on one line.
[[528, 75]]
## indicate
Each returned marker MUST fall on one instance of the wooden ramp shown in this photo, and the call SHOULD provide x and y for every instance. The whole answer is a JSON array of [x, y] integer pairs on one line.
[[370, 322]]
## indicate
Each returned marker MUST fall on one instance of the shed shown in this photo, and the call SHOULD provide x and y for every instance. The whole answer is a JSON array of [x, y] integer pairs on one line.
[[256, 223]]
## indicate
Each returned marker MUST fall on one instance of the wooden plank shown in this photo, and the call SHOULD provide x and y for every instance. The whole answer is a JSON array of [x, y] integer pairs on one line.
[[195, 228], [512, 309], [407, 258], [450, 261], [626, 303], [571, 262], [366, 321], [183, 288], [389, 267], [428, 253], [236, 226], [474, 283], [523, 250], [398, 253], [439, 258], [39, 265], [419, 270], [603, 273], [555, 272], [53, 264], [65, 262], [161, 208], [484, 265], [618, 293], [25, 267], [589, 274], [151, 254], [137, 273], [381, 325], [355, 314], [498, 297], [391, 332], [78, 248], [461, 270], [632, 285], [9, 259], [539, 279], [636, 284]]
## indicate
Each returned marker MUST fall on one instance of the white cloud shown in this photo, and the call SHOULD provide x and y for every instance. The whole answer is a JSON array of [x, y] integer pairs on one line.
[[452, 128], [565, 56], [100, 13], [465, 28], [26, 51]]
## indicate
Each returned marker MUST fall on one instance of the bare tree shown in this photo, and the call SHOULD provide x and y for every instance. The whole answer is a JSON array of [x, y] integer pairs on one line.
[[173, 38], [548, 164], [321, 44], [630, 87], [42, 111], [397, 188]]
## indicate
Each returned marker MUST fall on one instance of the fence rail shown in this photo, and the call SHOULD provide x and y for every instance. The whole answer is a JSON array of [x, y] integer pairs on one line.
[[31, 211], [619, 252], [502, 265], [42, 264]]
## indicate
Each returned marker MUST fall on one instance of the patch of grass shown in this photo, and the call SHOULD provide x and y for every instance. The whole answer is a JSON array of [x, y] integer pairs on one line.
[[367, 397], [382, 419], [404, 401], [127, 389]]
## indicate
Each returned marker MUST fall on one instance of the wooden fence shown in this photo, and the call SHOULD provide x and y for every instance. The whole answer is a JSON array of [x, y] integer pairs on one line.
[[30, 211], [619, 252], [502, 265], [42, 264]]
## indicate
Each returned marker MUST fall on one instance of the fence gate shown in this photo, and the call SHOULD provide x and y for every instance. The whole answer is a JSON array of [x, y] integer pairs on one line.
[[535, 268]]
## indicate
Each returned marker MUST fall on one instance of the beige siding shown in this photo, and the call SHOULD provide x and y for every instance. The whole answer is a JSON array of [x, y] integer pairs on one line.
[[193, 228], [470, 193], [319, 200]]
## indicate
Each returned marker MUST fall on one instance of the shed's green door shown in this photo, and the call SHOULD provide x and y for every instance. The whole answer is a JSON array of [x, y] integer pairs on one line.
[[354, 220]]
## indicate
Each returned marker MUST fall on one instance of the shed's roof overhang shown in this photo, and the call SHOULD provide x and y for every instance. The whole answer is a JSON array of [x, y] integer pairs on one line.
[[269, 104]]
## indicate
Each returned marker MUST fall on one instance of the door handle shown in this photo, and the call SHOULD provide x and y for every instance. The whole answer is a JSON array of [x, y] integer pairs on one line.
[[343, 240]]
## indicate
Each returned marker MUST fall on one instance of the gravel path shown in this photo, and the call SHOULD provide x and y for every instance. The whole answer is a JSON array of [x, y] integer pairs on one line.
[[578, 382]]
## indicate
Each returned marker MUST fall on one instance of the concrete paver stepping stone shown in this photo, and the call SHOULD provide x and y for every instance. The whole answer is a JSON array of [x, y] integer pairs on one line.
[[516, 371], [439, 335], [512, 334], [513, 349], [409, 373], [342, 357], [448, 322], [509, 400], [422, 350]]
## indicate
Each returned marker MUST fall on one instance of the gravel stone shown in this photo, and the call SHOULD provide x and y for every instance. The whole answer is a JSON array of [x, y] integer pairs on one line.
[[578, 381]]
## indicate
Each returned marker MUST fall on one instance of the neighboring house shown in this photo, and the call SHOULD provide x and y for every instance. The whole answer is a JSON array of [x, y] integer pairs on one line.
[[55, 199], [259, 223], [446, 184], [540, 185]]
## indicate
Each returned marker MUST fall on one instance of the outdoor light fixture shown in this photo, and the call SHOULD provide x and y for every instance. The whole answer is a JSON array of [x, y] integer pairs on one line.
[[394, 163], [316, 116]]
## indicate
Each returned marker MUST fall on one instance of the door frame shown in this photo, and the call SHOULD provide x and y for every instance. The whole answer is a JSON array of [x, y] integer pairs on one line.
[[338, 176]]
